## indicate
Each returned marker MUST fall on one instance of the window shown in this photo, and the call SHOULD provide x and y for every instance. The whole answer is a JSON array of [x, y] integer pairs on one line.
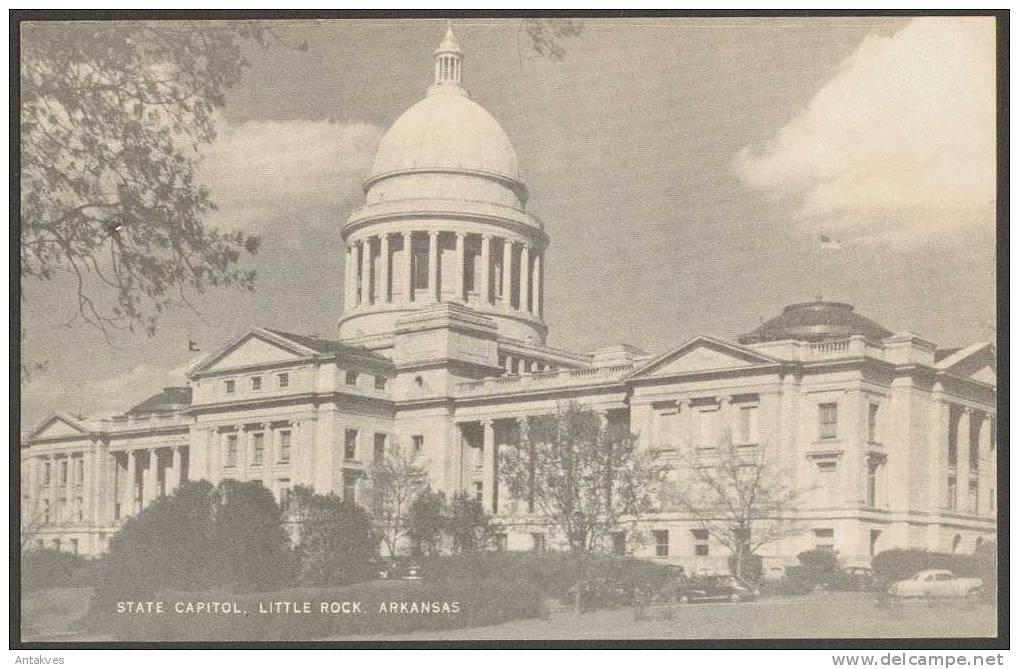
[[479, 491], [538, 542], [284, 438], [974, 444], [707, 426], [350, 378], [74, 546], [46, 473], [257, 448], [379, 454], [619, 543], [953, 436], [45, 511], [951, 493], [256, 382], [79, 509], [350, 487], [419, 442], [874, 536], [283, 491], [824, 540], [500, 541], [79, 473], [56, 545], [230, 386], [380, 383], [828, 420], [63, 472], [873, 479], [748, 424], [872, 422], [974, 497], [700, 545], [350, 445], [38, 544], [61, 509], [283, 380], [419, 257], [231, 450], [661, 543]]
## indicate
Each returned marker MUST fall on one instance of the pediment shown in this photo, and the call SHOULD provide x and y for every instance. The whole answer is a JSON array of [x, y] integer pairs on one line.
[[252, 350], [703, 354], [58, 426], [976, 362]]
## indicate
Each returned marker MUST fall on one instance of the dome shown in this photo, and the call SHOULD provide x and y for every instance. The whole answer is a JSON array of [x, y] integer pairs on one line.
[[446, 131], [815, 322]]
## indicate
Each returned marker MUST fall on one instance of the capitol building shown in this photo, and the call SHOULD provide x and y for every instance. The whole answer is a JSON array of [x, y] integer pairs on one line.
[[441, 348]]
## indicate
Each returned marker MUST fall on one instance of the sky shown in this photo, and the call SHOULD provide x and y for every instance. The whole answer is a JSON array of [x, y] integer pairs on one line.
[[685, 170]]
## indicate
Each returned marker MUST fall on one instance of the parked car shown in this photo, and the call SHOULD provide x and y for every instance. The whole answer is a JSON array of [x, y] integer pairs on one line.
[[601, 593], [861, 579], [714, 588], [403, 570], [935, 583]]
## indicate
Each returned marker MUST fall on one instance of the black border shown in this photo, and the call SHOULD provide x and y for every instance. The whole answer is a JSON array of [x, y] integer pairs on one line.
[[1000, 642]]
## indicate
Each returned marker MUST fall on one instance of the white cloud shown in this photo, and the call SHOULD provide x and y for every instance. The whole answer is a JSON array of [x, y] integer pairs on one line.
[[900, 143], [105, 397], [261, 173]]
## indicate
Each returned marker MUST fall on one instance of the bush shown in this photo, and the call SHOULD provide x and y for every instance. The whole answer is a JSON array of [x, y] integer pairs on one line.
[[44, 569], [338, 543], [817, 567], [753, 569], [199, 538], [898, 564], [478, 602], [552, 573]]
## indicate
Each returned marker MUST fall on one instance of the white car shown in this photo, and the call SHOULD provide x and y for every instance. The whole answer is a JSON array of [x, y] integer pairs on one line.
[[935, 583]]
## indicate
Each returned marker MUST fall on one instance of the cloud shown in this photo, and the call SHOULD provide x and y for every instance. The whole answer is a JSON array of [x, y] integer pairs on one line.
[[899, 144], [261, 173], [104, 397]]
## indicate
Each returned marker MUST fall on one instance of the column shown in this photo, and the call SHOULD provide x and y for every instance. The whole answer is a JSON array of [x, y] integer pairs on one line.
[[486, 243], [88, 461], [489, 467], [725, 434], [525, 278], [507, 265], [459, 267], [962, 447], [408, 275], [541, 285], [346, 278], [366, 274], [132, 484], [684, 424], [172, 484], [384, 269], [535, 282], [433, 265], [150, 486], [938, 452]]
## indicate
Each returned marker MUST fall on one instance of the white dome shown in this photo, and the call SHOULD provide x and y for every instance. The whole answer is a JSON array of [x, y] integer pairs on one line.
[[446, 131]]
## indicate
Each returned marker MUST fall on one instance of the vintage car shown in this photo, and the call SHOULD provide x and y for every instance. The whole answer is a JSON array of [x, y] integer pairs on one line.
[[403, 570], [853, 578], [935, 583], [714, 588]]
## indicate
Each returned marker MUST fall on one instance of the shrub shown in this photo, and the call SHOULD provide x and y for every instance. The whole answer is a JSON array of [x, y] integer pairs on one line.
[[817, 567], [553, 573], [54, 569], [338, 544], [898, 564], [200, 537], [478, 602], [753, 567]]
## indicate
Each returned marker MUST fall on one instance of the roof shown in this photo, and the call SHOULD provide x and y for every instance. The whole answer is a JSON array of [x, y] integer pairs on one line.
[[327, 346], [814, 322], [170, 399], [943, 353]]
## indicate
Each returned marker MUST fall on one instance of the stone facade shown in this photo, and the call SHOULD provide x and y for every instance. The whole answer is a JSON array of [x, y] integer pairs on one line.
[[441, 347]]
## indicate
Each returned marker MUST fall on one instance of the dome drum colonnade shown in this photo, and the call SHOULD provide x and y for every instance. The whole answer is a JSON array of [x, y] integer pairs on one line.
[[444, 219]]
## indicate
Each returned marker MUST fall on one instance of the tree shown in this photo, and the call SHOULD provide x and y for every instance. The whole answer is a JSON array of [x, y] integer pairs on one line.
[[250, 547], [113, 115], [396, 480], [426, 522], [467, 525], [547, 35], [338, 544], [738, 496], [585, 477]]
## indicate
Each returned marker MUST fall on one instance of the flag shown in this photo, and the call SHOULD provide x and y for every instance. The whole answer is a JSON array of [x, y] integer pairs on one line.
[[192, 346], [829, 244]]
